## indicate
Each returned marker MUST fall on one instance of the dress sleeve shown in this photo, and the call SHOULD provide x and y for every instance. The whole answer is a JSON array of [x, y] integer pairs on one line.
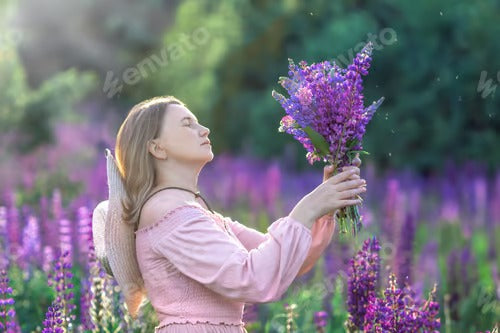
[[250, 238], [193, 242], [322, 233]]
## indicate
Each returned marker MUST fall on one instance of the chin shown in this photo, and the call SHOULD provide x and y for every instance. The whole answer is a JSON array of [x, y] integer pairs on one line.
[[207, 157], [212, 156]]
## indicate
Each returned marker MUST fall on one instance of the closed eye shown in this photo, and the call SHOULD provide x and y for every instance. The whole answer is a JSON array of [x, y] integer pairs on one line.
[[191, 123]]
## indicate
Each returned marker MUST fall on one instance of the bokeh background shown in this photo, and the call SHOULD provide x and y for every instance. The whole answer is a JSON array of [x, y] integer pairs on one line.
[[71, 70]]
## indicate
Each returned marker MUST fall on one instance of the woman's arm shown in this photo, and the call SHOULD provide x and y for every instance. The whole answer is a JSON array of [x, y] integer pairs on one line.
[[250, 238], [324, 227], [321, 233]]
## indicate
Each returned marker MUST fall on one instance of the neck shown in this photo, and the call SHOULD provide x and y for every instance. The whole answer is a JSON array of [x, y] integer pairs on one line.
[[178, 174], [187, 187], [184, 179]]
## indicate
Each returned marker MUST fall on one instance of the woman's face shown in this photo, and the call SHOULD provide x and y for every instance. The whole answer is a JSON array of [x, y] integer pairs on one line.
[[182, 137]]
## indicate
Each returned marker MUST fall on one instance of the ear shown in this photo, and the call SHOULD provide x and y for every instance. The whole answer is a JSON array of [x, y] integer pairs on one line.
[[157, 150]]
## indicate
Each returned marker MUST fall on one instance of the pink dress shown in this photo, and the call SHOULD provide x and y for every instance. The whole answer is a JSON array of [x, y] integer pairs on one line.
[[198, 275]]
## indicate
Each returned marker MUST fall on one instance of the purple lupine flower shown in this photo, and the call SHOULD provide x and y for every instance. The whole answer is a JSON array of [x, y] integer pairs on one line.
[[326, 114], [13, 229], [57, 209], [363, 276], [304, 95], [65, 236], [393, 210], [480, 188], [84, 234], [93, 267], [429, 313], [7, 312], [495, 201], [404, 253], [31, 242], [54, 321], [60, 279], [390, 310], [460, 277], [329, 100], [450, 210], [3, 238], [468, 269], [44, 217], [320, 320], [251, 313], [85, 302], [428, 271], [48, 259], [398, 311]]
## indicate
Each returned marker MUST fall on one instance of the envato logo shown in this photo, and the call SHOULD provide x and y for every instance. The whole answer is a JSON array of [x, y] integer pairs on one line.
[[486, 87], [168, 54], [387, 36]]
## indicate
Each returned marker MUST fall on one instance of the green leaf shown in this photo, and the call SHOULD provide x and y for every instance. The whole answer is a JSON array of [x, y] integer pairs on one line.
[[351, 143], [361, 152], [317, 140]]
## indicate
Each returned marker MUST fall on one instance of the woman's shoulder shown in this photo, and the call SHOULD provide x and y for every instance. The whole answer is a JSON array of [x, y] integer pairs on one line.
[[161, 205]]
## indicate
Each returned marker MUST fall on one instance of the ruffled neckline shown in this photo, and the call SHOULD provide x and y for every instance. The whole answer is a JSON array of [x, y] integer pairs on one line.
[[173, 211]]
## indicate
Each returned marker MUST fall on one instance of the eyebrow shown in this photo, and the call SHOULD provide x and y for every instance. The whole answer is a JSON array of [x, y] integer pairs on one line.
[[188, 118]]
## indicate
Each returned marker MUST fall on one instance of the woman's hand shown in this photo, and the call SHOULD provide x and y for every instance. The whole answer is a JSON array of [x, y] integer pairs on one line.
[[324, 227], [328, 170]]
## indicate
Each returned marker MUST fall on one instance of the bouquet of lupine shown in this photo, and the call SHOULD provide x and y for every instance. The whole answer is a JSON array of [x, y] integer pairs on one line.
[[325, 113], [397, 310]]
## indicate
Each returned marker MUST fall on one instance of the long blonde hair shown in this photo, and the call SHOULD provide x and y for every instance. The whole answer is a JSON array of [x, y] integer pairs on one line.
[[136, 165]]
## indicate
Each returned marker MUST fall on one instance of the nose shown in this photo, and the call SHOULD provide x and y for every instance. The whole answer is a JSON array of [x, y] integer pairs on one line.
[[205, 131]]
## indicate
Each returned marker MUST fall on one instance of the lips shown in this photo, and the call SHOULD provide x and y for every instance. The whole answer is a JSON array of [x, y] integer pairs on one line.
[[206, 142]]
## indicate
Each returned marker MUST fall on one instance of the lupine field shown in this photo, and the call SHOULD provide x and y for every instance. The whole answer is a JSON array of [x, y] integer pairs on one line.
[[433, 240], [427, 258]]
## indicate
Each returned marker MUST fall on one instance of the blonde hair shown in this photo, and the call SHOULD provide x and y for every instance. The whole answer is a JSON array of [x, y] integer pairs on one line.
[[135, 164]]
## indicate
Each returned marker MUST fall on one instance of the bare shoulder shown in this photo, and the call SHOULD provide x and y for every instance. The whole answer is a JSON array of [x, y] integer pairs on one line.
[[160, 204]]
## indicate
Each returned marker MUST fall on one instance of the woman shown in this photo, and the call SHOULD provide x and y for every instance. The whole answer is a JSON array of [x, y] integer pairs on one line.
[[199, 267]]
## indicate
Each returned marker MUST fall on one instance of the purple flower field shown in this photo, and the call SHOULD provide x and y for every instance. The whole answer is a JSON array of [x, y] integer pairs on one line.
[[433, 261]]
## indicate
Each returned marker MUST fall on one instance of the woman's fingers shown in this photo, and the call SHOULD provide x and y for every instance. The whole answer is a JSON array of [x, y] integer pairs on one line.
[[350, 184], [349, 194], [345, 203], [327, 172], [344, 175], [352, 167]]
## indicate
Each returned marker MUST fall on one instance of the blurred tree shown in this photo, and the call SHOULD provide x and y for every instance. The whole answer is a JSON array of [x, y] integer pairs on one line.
[[224, 58], [27, 116], [428, 73]]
